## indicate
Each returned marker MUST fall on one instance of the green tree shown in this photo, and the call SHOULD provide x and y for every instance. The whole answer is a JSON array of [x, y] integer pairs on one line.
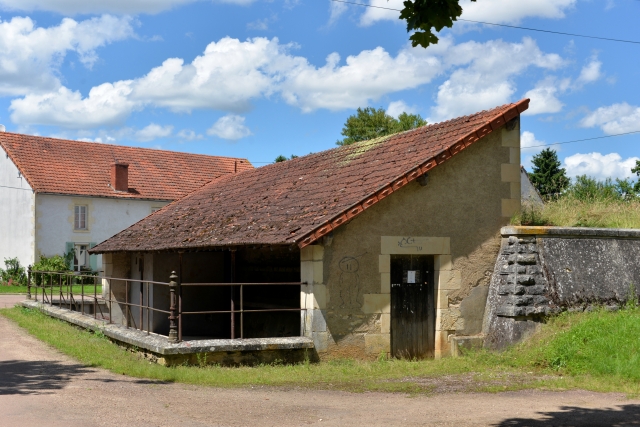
[[369, 123], [424, 16], [282, 158], [547, 175]]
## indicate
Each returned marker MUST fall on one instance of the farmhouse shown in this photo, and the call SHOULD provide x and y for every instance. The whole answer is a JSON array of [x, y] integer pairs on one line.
[[59, 196], [383, 246]]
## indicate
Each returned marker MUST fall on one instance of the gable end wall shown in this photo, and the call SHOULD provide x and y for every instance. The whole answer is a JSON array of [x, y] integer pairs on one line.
[[17, 214], [457, 217]]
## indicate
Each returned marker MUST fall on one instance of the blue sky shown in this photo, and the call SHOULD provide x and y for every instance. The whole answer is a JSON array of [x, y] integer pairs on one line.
[[255, 79]]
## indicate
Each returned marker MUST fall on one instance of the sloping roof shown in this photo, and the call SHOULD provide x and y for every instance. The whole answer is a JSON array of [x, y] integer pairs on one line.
[[300, 200], [83, 168]]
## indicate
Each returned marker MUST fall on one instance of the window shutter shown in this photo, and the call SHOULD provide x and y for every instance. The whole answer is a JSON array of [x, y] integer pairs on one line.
[[69, 248], [93, 259]]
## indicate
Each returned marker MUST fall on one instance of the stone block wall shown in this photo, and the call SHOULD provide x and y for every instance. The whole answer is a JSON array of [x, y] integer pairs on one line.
[[541, 271]]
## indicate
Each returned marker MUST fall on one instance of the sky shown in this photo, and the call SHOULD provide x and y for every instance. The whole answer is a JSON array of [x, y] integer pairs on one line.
[[258, 78]]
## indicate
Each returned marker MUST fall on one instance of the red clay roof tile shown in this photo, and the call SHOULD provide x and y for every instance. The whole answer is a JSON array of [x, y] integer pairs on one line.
[[300, 200], [83, 168]]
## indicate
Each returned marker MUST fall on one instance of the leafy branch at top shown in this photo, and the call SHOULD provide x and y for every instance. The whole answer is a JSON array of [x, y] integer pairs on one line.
[[424, 16]]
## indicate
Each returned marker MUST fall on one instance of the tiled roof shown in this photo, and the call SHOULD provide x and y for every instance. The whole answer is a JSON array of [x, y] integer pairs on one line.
[[300, 200], [83, 168]]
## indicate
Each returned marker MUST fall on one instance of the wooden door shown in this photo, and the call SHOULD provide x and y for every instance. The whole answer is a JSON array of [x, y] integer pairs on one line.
[[413, 310]]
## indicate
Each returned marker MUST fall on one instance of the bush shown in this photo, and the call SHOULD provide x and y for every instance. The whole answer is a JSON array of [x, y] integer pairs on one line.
[[14, 275]]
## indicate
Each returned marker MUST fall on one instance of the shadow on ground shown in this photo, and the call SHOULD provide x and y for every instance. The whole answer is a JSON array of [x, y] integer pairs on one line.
[[624, 415], [41, 377], [30, 377]]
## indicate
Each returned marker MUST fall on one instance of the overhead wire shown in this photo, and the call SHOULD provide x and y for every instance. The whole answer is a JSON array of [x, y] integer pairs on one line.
[[505, 25], [555, 143]]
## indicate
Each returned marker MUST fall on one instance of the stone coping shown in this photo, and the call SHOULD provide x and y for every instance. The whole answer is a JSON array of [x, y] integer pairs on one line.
[[624, 233], [158, 344]]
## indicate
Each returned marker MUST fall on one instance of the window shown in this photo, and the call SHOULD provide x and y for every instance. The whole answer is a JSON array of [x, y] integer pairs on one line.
[[80, 257], [80, 218]]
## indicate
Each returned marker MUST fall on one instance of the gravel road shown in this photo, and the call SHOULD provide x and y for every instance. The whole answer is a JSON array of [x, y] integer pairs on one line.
[[41, 387]]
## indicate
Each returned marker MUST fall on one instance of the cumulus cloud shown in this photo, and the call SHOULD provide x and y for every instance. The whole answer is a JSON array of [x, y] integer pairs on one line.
[[529, 143], [30, 54], [616, 118], [591, 72], [188, 135], [498, 11], [107, 104], [72, 7], [600, 166], [544, 96], [231, 73], [336, 9], [229, 127], [487, 78], [398, 107], [153, 131]]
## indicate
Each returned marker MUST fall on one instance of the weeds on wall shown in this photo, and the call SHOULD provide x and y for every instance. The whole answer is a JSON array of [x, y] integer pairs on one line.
[[587, 202]]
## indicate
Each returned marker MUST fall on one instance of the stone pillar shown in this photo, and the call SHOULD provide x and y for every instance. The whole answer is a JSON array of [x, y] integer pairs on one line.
[[313, 297], [116, 265], [510, 172]]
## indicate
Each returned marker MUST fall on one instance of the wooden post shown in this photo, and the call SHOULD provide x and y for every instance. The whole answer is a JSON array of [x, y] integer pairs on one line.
[[173, 327]]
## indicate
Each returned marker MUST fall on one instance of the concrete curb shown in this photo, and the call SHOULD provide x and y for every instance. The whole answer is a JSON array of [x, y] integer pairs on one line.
[[158, 344], [624, 233]]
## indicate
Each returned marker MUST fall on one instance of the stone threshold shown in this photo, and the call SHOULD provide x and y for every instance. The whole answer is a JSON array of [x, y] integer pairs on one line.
[[577, 232], [159, 345]]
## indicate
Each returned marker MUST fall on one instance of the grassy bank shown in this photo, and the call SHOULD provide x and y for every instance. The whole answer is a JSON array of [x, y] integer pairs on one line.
[[76, 289], [597, 351], [573, 212]]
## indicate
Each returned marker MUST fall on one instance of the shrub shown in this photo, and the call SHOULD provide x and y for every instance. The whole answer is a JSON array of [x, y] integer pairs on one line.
[[14, 275]]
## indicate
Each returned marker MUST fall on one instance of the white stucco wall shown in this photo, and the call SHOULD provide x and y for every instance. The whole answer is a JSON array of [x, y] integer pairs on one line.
[[17, 203], [106, 217]]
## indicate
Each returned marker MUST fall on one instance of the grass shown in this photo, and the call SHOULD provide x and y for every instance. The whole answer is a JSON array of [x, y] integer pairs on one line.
[[597, 351], [573, 212], [76, 289]]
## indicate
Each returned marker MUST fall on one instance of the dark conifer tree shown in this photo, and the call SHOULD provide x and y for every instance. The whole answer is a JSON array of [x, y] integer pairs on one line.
[[547, 175]]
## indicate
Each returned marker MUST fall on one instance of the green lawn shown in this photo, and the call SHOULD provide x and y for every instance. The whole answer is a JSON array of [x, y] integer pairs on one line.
[[595, 351], [88, 289]]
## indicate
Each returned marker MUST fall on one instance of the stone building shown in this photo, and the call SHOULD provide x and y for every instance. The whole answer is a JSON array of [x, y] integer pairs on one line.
[[59, 196], [393, 239]]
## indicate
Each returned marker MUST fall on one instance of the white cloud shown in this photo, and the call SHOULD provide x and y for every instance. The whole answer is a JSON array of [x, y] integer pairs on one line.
[[529, 143], [509, 11], [616, 118], [29, 54], [600, 166], [336, 9], [230, 74], [107, 104], [153, 131], [398, 107], [498, 11], [229, 127], [259, 25], [188, 135], [487, 79], [366, 76], [72, 7], [591, 72], [544, 96]]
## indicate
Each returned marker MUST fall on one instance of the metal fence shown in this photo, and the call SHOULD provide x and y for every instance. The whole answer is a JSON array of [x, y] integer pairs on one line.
[[79, 292]]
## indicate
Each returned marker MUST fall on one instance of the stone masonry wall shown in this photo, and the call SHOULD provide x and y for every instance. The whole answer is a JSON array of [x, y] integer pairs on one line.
[[542, 271]]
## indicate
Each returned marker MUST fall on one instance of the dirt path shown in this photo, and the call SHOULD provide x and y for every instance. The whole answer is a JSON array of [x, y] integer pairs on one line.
[[41, 387]]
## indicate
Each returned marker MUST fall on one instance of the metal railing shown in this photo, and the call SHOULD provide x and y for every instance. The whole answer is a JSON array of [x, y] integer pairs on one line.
[[65, 285]]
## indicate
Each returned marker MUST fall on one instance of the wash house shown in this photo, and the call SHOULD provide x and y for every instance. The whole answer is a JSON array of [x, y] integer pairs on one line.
[[383, 246]]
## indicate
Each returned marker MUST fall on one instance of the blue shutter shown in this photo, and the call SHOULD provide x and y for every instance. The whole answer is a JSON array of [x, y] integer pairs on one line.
[[69, 248], [93, 259]]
